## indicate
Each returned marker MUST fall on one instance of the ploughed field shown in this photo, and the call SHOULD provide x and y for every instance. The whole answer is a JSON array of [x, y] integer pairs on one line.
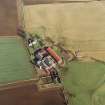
[[8, 17], [26, 93]]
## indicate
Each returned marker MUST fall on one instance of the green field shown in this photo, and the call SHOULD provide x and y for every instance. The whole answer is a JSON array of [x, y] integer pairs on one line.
[[14, 62], [86, 80]]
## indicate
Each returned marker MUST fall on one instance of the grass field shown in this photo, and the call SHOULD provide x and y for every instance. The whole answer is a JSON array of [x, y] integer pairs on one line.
[[14, 62], [86, 81]]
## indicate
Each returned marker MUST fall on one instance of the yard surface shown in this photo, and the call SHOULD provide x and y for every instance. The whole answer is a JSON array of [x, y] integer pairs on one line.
[[14, 62]]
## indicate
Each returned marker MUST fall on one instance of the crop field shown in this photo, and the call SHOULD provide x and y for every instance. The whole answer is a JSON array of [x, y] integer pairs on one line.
[[14, 62], [77, 25]]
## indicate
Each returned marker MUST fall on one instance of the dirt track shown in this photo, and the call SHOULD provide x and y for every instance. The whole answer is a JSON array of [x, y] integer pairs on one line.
[[8, 17], [28, 94]]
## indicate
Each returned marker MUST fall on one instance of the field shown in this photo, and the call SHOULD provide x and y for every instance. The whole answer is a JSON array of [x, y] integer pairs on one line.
[[14, 62], [85, 80], [27, 93], [77, 25], [8, 17]]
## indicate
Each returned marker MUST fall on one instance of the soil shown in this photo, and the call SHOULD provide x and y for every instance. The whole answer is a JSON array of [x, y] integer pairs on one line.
[[27, 93], [8, 17]]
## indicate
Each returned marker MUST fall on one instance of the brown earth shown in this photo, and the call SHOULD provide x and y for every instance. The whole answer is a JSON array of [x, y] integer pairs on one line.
[[8, 17], [26, 93]]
